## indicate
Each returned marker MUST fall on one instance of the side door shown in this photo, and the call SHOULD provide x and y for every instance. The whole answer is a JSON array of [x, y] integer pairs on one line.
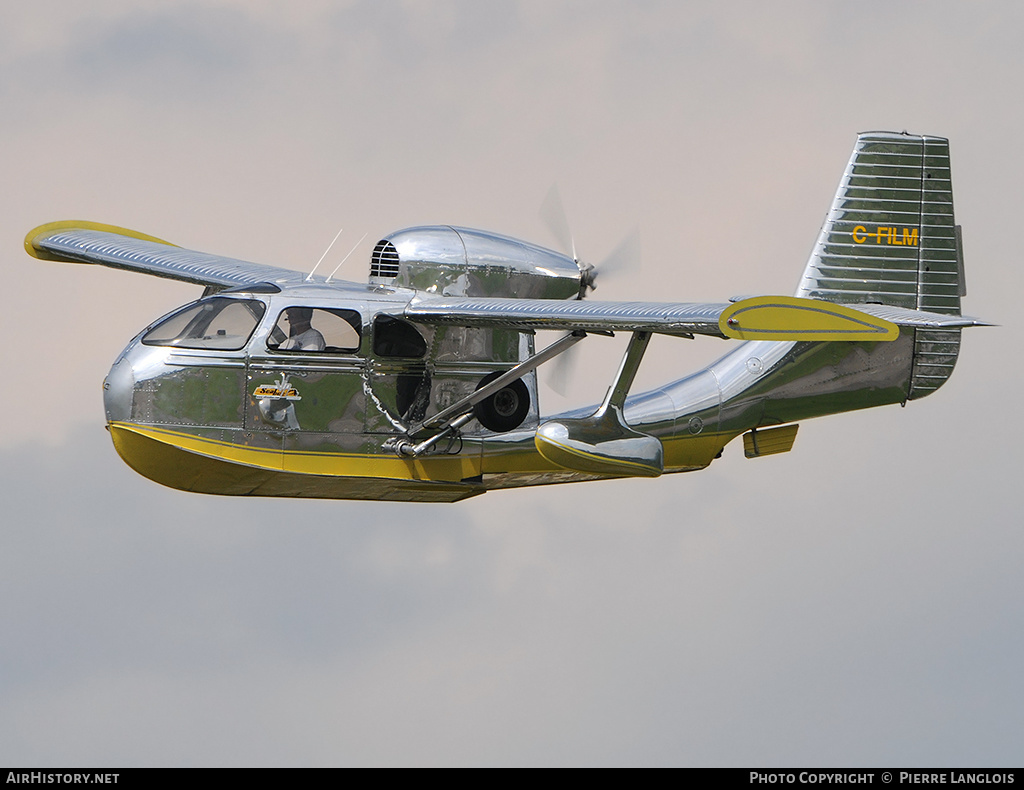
[[400, 379], [417, 371], [305, 382], [403, 390]]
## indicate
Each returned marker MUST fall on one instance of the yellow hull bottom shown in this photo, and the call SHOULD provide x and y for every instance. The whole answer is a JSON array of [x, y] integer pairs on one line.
[[166, 462], [208, 466]]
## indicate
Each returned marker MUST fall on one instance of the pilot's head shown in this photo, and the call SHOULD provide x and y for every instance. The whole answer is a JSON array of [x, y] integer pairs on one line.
[[299, 319]]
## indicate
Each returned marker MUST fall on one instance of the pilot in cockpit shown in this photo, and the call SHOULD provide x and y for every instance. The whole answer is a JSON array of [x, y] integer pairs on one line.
[[301, 335]]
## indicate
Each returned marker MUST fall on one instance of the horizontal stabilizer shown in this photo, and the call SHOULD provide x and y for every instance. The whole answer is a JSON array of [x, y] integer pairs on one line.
[[919, 319], [902, 316]]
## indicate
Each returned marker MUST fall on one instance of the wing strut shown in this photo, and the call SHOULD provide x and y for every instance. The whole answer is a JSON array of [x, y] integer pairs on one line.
[[461, 412], [619, 389], [603, 443]]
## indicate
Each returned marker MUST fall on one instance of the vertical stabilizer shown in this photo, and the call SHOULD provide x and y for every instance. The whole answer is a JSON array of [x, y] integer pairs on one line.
[[891, 237]]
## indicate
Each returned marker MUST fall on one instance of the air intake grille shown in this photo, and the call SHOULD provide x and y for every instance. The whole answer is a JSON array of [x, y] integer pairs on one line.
[[384, 261]]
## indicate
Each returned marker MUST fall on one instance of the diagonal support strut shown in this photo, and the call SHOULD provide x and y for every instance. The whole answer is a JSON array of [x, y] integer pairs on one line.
[[460, 412]]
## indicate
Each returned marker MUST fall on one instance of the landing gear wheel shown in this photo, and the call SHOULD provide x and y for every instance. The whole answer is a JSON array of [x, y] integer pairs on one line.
[[506, 409]]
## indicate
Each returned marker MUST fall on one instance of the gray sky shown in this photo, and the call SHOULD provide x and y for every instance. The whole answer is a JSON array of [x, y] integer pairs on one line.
[[857, 601]]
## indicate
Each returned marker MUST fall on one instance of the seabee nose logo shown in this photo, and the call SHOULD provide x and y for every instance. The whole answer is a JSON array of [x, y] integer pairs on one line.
[[281, 388], [275, 403]]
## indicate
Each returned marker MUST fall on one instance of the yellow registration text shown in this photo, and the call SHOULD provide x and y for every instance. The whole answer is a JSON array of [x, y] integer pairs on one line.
[[886, 235]]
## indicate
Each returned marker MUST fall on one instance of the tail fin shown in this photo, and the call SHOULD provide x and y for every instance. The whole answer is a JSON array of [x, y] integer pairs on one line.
[[891, 238]]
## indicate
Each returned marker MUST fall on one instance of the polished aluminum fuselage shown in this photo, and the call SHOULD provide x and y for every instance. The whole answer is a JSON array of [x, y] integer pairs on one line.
[[189, 418]]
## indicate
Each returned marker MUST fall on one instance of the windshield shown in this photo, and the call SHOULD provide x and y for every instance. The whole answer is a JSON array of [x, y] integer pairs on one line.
[[218, 323]]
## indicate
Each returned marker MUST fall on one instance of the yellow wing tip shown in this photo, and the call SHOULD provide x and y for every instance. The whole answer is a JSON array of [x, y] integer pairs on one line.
[[74, 224], [796, 318]]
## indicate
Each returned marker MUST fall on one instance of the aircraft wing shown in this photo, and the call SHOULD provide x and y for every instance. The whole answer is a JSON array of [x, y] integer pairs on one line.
[[669, 319], [120, 248], [761, 317]]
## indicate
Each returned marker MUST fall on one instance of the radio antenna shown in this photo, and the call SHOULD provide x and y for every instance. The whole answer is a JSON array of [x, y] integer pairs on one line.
[[329, 276], [310, 275]]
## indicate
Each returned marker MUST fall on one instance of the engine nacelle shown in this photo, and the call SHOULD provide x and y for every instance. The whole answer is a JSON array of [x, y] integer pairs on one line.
[[451, 261]]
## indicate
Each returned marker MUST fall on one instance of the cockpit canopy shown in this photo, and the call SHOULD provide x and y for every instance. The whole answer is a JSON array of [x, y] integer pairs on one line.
[[218, 323], [223, 323]]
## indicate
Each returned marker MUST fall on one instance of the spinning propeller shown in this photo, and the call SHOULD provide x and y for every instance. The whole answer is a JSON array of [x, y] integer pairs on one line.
[[625, 258]]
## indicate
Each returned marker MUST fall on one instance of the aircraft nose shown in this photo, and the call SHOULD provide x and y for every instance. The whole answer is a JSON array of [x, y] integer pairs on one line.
[[118, 387]]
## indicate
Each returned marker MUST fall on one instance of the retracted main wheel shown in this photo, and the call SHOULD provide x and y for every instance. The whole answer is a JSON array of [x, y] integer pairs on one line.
[[505, 409]]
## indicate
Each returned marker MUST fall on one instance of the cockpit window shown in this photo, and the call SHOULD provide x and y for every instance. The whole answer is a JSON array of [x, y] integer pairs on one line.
[[316, 330], [218, 323], [393, 337]]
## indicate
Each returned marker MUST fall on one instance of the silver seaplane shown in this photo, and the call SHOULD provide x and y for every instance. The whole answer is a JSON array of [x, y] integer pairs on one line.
[[421, 385]]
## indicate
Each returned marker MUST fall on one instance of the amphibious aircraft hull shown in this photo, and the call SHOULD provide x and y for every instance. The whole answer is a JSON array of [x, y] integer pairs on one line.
[[189, 462], [760, 384]]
